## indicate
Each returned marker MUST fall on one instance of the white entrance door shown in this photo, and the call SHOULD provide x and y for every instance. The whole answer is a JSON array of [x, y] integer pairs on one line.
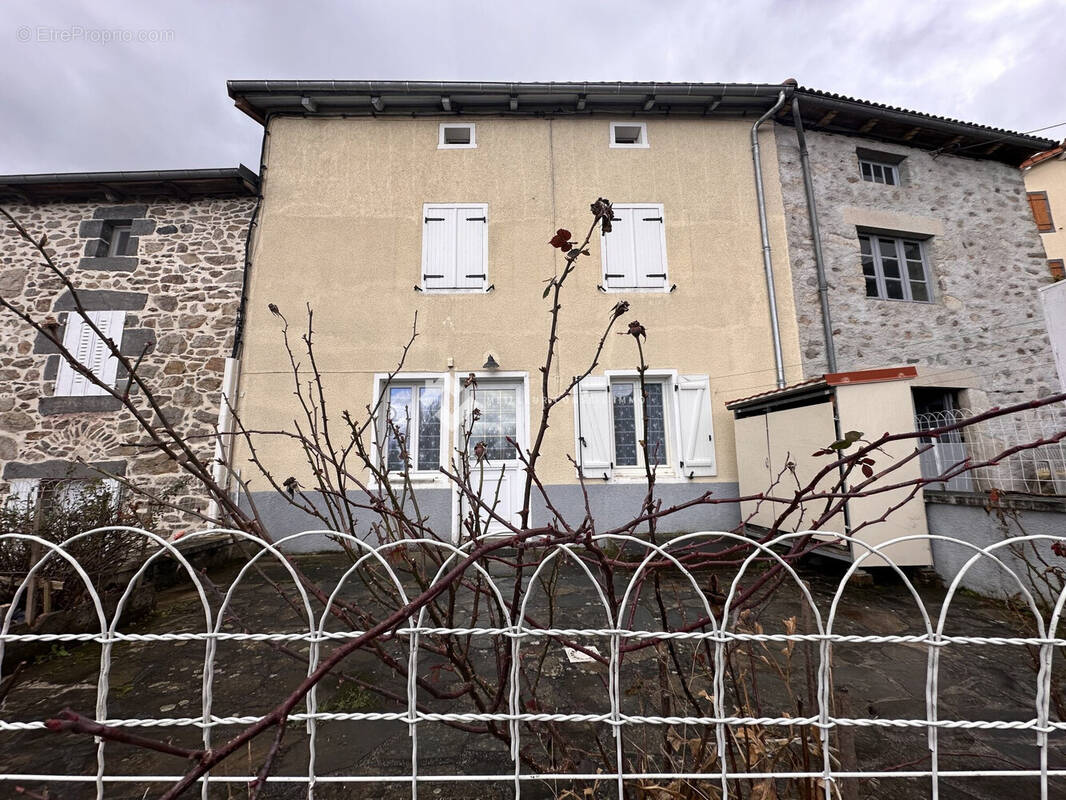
[[496, 474]]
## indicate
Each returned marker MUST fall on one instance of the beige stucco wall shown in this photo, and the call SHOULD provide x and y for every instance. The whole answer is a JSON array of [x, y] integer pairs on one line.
[[1050, 176], [341, 229]]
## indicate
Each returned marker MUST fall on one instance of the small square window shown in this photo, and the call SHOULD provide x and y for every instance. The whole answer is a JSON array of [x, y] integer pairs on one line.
[[454, 136], [629, 134], [875, 172], [118, 240]]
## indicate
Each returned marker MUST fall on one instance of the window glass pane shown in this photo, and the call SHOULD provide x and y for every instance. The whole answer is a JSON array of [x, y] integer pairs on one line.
[[919, 291], [912, 251], [890, 267], [498, 421], [655, 434], [429, 428], [871, 287], [625, 425], [868, 266], [399, 414], [864, 245], [894, 289], [867, 172], [916, 270], [887, 247], [890, 176]]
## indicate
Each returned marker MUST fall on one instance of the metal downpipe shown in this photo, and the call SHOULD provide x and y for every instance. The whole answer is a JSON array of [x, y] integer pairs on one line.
[[816, 239], [767, 258]]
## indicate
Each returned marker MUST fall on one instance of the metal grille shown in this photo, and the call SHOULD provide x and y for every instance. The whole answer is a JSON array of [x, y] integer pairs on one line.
[[822, 724], [1039, 470]]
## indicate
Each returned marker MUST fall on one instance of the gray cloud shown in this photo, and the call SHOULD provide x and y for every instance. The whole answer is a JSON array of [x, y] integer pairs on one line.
[[88, 104]]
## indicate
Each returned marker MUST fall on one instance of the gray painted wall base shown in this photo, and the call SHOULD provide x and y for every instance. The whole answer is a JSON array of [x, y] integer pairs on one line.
[[960, 519], [611, 505]]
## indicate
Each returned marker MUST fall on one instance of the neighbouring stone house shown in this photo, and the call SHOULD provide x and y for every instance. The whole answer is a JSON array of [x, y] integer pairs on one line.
[[158, 260], [943, 202]]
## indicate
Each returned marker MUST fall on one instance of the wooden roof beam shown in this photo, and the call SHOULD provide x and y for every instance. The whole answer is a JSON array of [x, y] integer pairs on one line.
[[828, 117], [868, 126]]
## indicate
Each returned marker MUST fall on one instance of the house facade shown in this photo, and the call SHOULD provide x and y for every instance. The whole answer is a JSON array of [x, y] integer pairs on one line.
[[387, 200], [927, 246], [157, 259]]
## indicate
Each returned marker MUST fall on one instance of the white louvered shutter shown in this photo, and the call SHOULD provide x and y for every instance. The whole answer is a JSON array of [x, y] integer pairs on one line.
[[594, 435], [23, 491], [438, 247], [695, 429], [91, 351], [650, 255], [470, 247], [619, 262]]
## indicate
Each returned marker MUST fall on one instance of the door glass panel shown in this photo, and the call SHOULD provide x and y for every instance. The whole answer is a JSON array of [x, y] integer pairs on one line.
[[625, 424], [429, 428], [655, 435], [498, 421]]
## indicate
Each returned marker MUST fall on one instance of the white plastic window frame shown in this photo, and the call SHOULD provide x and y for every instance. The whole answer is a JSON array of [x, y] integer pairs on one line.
[[381, 382], [668, 378], [898, 242], [642, 144], [886, 169], [443, 144]]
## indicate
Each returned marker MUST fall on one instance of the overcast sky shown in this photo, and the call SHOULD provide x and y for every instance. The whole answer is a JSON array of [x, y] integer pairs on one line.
[[73, 101]]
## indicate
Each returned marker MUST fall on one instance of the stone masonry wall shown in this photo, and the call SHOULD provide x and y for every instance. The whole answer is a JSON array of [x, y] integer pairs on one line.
[[180, 290], [984, 329]]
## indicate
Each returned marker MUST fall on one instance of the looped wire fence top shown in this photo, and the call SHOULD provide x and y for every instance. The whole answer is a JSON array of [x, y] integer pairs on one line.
[[596, 625]]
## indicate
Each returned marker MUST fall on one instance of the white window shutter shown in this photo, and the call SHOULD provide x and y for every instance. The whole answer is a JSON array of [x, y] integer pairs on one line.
[[619, 262], [91, 351], [650, 256], [472, 227], [594, 435], [438, 247], [695, 429], [23, 491], [104, 364]]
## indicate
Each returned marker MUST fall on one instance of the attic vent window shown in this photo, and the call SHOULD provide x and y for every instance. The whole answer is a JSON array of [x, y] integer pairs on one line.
[[629, 134], [454, 136]]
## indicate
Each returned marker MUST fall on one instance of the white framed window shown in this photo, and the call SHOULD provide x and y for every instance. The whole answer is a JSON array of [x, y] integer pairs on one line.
[[610, 425], [634, 252], [629, 134], [895, 268], [879, 172], [25, 492], [90, 351], [412, 423], [455, 246], [456, 136], [117, 238]]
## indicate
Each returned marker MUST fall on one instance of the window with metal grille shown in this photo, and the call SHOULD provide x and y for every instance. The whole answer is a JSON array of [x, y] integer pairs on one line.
[[895, 268]]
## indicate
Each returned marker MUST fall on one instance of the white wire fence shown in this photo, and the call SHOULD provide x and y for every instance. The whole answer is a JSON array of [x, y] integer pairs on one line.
[[1037, 471], [597, 619]]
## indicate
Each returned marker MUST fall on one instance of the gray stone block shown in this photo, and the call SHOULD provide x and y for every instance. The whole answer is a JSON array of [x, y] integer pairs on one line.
[[121, 212], [110, 263], [58, 470], [142, 227], [48, 406], [103, 300]]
